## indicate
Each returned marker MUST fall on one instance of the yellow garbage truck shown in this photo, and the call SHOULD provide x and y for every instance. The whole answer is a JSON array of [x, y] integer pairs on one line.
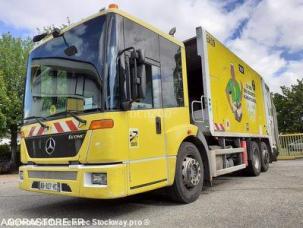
[[114, 107]]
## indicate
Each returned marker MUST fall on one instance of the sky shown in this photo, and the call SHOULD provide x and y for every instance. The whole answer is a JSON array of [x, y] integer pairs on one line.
[[267, 34]]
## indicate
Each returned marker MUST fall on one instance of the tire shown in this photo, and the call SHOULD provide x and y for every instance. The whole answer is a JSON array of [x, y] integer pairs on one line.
[[264, 156], [254, 161], [189, 174]]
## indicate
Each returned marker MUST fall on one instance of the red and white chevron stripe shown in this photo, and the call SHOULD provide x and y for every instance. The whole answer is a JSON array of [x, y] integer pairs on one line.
[[58, 127], [219, 127], [65, 126], [36, 131]]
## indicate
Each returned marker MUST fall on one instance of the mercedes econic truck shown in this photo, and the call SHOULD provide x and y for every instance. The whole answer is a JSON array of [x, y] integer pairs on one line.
[[114, 107]]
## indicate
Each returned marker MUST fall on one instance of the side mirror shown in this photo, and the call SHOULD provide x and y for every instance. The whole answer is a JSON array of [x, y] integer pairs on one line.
[[39, 37], [71, 50], [138, 75], [141, 75], [140, 56]]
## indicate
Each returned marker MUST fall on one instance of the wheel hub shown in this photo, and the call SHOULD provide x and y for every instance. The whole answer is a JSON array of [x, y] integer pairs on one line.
[[256, 159], [191, 172]]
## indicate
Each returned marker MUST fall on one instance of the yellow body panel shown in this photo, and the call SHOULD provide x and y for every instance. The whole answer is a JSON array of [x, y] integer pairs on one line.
[[109, 145], [177, 128], [147, 171], [237, 98], [146, 149]]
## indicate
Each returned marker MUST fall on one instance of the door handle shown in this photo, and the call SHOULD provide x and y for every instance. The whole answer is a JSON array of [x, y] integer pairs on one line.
[[158, 125]]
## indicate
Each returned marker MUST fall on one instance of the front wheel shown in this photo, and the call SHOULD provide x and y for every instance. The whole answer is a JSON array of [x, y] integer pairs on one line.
[[188, 181]]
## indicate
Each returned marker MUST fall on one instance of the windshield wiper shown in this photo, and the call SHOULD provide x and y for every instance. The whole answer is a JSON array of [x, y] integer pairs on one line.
[[70, 113], [37, 118], [93, 109]]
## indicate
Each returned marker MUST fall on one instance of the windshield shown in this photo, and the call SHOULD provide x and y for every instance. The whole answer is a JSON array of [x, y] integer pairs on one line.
[[57, 82]]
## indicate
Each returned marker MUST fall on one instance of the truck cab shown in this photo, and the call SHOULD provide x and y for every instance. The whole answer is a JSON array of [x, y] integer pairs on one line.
[[90, 128]]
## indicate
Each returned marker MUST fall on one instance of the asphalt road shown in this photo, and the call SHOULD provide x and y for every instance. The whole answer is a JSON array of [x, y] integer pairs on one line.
[[274, 199]]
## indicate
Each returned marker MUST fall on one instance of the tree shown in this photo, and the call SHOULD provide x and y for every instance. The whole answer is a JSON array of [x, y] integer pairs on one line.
[[289, 107], [13, 58], [2, 101]]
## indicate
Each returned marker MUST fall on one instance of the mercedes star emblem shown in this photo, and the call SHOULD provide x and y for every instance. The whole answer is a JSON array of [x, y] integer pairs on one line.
[[50, 146]]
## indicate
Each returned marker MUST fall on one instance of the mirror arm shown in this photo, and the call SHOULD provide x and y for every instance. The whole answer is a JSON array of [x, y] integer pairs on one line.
[[123, 51]]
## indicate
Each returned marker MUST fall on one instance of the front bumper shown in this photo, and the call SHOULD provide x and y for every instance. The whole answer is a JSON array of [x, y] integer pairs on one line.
[[75, 180]]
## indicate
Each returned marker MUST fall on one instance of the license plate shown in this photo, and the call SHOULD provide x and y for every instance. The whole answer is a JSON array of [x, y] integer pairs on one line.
[[47, 186]]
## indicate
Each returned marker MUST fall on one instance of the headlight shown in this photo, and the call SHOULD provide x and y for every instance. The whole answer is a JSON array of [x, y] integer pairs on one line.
[[99, 178]]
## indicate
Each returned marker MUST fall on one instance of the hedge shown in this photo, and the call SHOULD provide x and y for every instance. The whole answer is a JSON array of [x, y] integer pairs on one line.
[[5, 152]]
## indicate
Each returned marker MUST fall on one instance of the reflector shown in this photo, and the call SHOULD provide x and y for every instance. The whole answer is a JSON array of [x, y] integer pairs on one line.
[[100, 124]]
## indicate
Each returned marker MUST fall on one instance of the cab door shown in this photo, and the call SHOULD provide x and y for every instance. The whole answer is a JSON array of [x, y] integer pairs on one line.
[[147, 160]]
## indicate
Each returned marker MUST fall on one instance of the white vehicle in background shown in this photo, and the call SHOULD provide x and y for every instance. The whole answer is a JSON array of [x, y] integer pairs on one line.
[[296, 145]]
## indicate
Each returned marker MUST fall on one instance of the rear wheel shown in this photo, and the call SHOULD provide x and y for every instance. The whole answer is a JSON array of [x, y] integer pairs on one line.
[[254, 162], [264, 157], [188, 181]]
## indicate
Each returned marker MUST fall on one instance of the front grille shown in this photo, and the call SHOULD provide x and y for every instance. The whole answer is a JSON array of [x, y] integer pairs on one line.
[[56, 145], [58, 175]]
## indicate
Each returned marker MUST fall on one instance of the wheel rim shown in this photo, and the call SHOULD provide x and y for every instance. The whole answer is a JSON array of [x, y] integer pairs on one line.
[[265, 156], [191, 172], [256, 159]]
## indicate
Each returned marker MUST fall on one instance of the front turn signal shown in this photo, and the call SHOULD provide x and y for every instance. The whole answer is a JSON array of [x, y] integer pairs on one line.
[[101, 124]]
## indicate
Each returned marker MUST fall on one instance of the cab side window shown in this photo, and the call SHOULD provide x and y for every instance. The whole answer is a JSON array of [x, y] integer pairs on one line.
[[153, 89], [142, 38], [171, 72], [139, 37]]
